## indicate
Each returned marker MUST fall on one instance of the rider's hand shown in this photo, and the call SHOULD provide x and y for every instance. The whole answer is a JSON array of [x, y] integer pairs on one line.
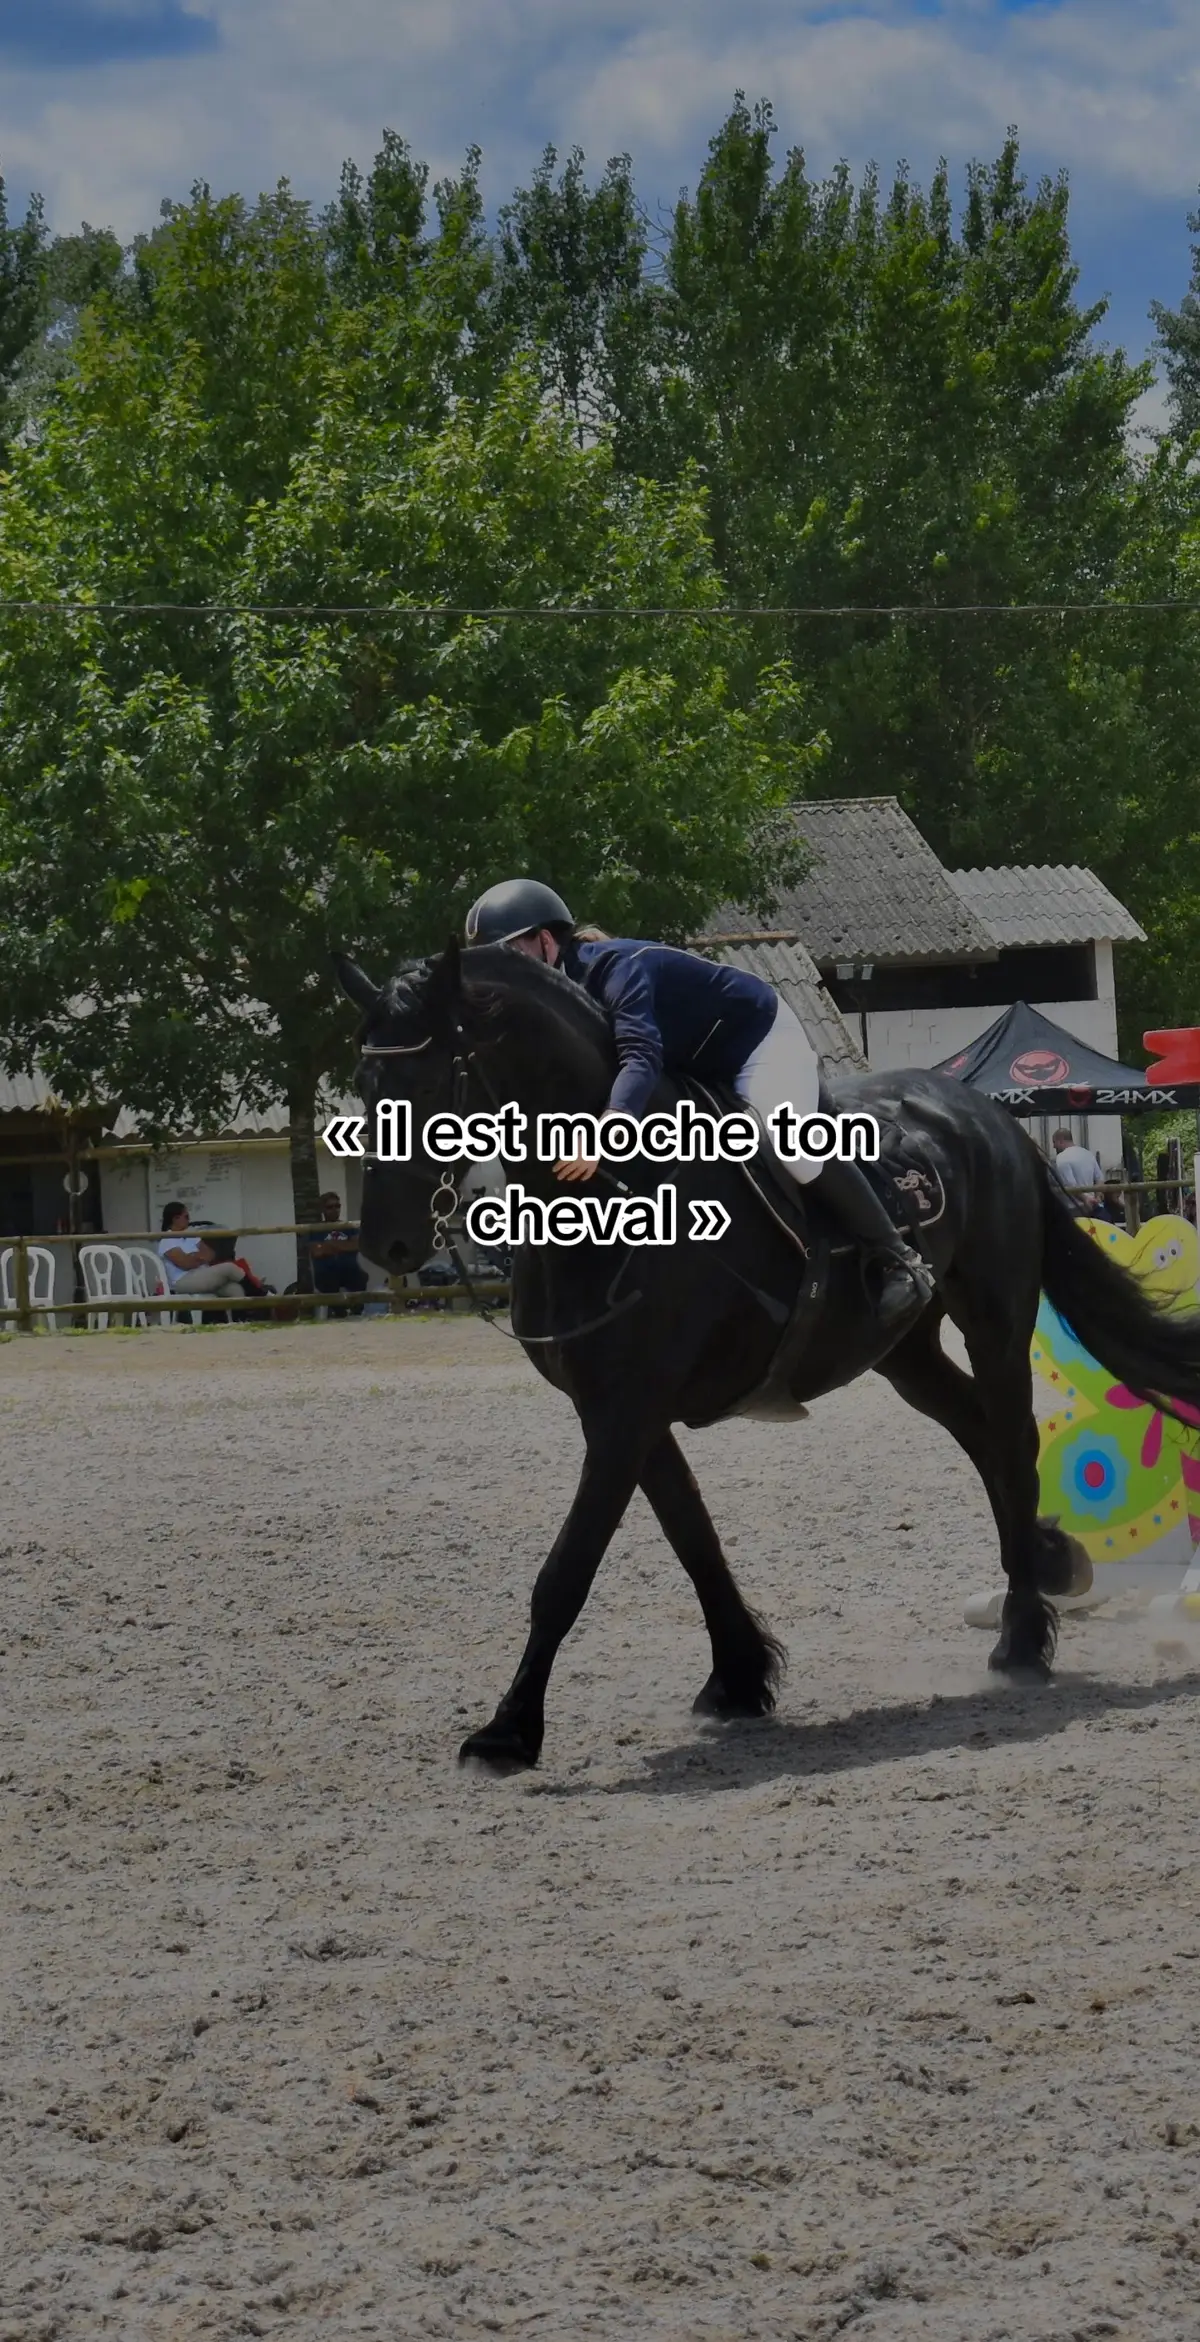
[[576, 1167]]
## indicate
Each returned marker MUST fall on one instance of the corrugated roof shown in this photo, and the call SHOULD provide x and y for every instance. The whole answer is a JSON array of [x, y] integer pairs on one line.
[[23, 1093], [266, 1122], [795, 975], [249, 1122], [1048, 904], [876, 891], [31, 1094]]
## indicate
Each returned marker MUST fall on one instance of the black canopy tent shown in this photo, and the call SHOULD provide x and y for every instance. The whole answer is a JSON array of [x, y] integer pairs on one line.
[[1034, 1067]]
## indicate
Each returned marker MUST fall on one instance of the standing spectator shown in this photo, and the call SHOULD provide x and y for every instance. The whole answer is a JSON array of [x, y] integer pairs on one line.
[[336, 1267], [1079, 1172], [1112, 1205], [191, 1265]]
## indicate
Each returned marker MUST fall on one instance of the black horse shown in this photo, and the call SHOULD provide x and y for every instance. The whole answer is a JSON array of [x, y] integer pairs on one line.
[[641, 1340]]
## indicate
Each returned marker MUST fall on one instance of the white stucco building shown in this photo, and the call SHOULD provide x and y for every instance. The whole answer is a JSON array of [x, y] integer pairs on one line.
[[919, 960]]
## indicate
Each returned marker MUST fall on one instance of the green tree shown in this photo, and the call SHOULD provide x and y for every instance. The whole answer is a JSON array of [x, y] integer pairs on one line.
[[415, 284], [571, 285], [194, 809], [23, 271], [74, 269], [889, 404], [1155, 866], [1178, 335]]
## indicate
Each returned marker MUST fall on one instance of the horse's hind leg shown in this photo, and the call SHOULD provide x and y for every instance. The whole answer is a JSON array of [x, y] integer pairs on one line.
[[998, 1329], [747, 1661], [920, 1373]]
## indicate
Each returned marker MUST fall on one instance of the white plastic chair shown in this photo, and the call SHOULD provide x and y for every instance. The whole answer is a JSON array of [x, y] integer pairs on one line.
[[111, 1272], [116, 1272], [41, 1282]]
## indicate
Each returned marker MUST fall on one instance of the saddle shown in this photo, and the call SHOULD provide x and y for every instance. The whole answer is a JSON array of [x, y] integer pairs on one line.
[[911, 1190], [776, 1191], [806, 1227], [909, 1185]]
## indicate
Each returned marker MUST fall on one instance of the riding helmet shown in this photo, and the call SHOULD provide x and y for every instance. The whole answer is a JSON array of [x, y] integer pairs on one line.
[[513, 908]]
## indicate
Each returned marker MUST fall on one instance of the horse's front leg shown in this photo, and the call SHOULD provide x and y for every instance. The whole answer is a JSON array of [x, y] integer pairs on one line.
[[615, 1452], [747, 1661]]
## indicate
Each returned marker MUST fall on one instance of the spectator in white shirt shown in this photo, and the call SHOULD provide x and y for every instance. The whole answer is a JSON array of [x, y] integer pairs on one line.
[[1078, 1170], [189, 1262]]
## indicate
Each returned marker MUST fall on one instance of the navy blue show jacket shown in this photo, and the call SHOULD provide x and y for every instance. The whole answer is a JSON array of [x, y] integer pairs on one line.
[[670, 1009]]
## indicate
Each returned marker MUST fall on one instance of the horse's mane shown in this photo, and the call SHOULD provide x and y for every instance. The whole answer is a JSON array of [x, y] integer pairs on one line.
[[404, 988], [495, 982]]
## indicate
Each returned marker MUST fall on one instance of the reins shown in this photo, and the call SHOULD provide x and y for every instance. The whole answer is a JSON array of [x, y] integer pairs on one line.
[[445, 1201]]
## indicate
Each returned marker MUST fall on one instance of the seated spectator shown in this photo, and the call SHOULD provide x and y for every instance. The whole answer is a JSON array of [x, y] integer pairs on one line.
[[336, 1267], [190, 1264], [225, 1248], [257, 1289]]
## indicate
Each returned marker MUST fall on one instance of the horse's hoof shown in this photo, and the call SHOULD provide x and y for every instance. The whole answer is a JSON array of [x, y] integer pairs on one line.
[[1064, 1570], [715, 1700], [1019, 1667], [1083, 1576], [503, 1748]]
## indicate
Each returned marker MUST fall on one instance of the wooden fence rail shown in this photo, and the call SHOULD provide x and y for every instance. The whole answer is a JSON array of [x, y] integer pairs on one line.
[[495, 1293], [398, 1294]]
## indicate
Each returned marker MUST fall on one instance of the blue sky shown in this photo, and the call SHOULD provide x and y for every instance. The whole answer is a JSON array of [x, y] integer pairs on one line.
[[108, 105], [64, 36]]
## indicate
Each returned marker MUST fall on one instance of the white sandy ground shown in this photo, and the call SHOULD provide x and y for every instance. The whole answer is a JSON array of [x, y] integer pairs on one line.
[[880, 2018]]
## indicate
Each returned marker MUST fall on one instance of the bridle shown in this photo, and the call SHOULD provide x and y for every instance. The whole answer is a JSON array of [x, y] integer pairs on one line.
[[445, 1201]]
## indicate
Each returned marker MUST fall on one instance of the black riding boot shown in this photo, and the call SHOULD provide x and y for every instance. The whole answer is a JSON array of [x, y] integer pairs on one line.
[[850, 1196]]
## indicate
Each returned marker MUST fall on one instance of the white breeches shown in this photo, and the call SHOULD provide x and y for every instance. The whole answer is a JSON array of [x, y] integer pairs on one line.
[[783, 1070], [217, 1276]]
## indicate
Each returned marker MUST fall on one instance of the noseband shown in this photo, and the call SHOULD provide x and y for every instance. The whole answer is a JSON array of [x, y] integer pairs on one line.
[[445, 1200]]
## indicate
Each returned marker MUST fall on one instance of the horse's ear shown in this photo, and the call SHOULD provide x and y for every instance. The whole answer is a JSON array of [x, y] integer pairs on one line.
[[355, 983], [446, 984]]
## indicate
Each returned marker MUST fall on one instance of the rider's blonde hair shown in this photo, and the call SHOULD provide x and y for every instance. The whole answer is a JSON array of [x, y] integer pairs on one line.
[[591, 935]]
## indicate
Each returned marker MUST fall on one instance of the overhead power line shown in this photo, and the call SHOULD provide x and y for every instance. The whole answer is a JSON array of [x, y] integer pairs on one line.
[[578, 612]]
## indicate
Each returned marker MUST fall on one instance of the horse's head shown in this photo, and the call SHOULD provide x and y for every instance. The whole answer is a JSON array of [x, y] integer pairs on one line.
[[426, 1037], [409, 1039]]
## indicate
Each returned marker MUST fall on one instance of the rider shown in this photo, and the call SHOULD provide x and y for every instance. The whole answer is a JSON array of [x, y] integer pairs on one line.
[[672, 1010]]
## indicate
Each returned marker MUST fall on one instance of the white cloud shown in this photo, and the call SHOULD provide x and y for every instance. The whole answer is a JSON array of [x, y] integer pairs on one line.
[[1111, 88], [881, 81]]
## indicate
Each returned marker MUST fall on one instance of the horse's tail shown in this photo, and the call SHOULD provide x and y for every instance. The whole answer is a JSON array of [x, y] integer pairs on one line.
[[1153, 1351]]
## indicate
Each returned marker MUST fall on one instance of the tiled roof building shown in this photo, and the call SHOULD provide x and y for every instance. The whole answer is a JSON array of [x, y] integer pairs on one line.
[[875, 891], [1045, 904], [796, 977]]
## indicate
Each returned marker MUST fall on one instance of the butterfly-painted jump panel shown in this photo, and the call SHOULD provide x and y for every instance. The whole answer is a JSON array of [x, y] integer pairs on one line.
[[1120, 1476]]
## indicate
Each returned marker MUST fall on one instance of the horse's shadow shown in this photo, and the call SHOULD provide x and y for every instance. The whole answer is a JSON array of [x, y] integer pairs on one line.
[[749, 1755]]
